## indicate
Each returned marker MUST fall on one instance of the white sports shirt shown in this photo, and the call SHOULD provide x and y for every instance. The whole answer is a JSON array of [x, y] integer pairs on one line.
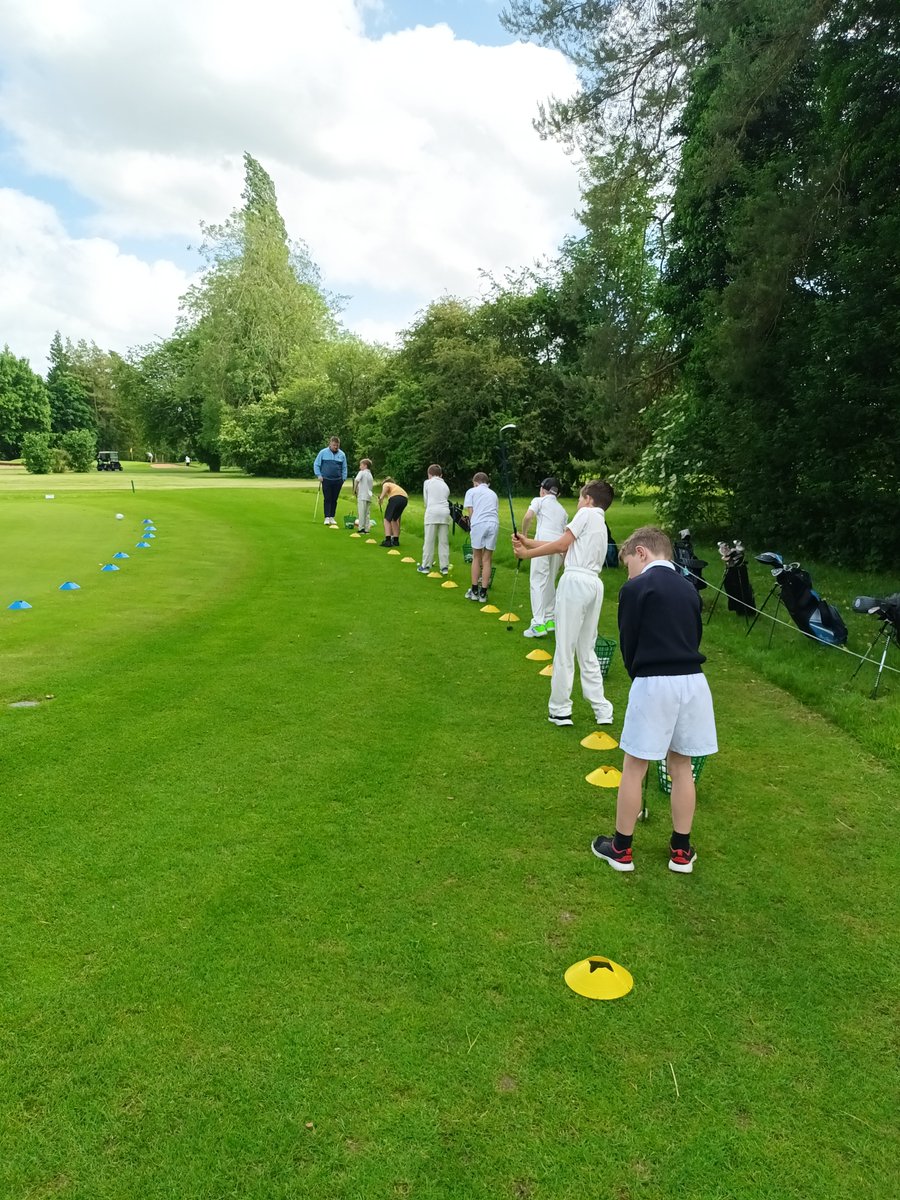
[[484, 505], [551, 518], [588, 551]]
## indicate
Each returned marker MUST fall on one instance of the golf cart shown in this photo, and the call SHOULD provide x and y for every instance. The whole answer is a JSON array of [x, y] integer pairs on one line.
[[108, 460]]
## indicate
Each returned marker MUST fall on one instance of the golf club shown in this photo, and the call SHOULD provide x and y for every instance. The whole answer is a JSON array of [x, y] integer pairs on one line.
[[316, 509], [504, 460]]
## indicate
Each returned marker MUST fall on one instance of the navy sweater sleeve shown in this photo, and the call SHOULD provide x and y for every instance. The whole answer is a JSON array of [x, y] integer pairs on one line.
[[659, 625]]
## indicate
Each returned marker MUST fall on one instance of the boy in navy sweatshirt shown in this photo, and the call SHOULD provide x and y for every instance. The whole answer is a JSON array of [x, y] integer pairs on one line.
[[670, 712]]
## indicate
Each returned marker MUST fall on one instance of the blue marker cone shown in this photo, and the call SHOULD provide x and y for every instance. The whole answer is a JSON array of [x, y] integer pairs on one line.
[[149, 535], [149, 529], [146, 521], [143, 546], [121, 554], [69, 587], [18, 605], [109, 567]]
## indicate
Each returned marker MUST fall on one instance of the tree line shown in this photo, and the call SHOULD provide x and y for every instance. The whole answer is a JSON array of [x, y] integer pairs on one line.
[[724, 330]]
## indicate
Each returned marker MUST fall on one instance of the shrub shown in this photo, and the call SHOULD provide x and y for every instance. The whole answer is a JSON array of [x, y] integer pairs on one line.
[[37, 453], [81, 447]]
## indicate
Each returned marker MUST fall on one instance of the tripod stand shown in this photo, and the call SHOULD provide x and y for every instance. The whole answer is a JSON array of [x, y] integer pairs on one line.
[[759, 612], [887, 633]]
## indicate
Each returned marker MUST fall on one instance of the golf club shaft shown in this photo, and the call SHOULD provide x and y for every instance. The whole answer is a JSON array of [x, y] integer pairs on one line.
[[316, 509], [513, 600], [505, 461]]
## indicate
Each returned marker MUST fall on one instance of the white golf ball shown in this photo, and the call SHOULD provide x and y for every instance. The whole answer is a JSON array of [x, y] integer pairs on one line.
[[120, 516]]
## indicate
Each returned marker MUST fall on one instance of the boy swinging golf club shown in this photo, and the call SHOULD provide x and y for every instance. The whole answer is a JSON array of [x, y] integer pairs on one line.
[[670, 712], [579, 599]]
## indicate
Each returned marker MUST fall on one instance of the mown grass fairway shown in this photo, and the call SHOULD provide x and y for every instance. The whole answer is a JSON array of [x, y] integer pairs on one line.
[[293, 866]]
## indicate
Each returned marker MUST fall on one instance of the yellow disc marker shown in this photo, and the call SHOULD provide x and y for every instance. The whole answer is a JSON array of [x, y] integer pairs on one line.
[[407, 559], [599, 978], [371, 542], [509, 618], [356, 535], [539, 656], [548, 670], [599, 741], [605, 777], [433, 575], [334, 527], [488, 608], [397, 552], [449, 584]]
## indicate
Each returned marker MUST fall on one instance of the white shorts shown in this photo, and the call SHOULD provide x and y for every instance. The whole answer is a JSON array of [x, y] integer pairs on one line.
[[669, 712], [484, 537]]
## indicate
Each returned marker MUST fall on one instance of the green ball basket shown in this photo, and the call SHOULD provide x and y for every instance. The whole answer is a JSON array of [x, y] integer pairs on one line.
[[664, 779], [605, 649]]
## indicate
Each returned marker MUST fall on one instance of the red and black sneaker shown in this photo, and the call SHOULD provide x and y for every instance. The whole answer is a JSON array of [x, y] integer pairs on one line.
[[682, 861], [619, 860]]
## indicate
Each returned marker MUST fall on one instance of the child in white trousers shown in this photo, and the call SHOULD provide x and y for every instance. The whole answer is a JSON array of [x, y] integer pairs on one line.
[[579, 599], [363, 486], [551, 524], [436, 495]]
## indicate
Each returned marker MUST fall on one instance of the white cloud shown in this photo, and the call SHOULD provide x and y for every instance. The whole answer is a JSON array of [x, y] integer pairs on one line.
[[85, 287], [407, 162]]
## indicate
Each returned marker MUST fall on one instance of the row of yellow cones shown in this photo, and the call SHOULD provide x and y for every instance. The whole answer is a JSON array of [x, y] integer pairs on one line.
[[607, 777], [597, 977], [510, 618]]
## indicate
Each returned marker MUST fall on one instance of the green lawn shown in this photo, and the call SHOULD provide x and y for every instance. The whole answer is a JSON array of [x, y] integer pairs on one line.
[[293, 866]]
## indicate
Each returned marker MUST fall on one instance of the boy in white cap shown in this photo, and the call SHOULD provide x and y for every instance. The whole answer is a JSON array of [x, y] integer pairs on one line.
[[579, 599], [551, 524]]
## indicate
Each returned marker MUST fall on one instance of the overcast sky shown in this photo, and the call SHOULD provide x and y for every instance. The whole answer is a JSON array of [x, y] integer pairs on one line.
[[398, 133]]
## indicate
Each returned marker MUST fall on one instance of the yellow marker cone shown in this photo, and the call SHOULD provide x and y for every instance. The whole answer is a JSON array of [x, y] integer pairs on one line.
[[510, 618], [488, 608], [356, 535], [371, 542], [599, 741], [334, 527], [433, 575], [548, 670], [599, 978], [608, 777], [407, 559], [397, 552], [449, 584], [539, 656]]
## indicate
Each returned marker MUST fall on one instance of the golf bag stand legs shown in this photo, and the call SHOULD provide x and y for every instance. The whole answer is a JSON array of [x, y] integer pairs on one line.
[[762, 607], [719, 592], [885, 634]]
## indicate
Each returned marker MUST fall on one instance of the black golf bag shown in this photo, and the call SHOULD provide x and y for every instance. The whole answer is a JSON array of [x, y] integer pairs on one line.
[[458, 517], [806, 607], [612, 550], [687, 562], [736, 581]]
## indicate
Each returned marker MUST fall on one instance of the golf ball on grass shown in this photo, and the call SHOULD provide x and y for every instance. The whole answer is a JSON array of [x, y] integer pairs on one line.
[[120, 516]]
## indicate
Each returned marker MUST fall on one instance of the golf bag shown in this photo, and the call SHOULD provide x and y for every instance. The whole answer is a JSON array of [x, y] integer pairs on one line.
[[736, 581], [458, 517], [809, 612], [687, 562], [612, 550]]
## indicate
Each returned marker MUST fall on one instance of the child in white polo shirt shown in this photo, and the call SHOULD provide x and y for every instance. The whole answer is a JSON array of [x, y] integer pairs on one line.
[[579, 599], [363, 486], [483, 509], [436, 495], [551, 524]]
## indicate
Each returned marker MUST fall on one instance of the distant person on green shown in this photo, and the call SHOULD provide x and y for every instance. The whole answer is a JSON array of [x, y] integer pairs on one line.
[[330, 469]]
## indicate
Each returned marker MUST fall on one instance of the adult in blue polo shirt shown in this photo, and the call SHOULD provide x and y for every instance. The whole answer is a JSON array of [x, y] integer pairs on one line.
[[331, 471]]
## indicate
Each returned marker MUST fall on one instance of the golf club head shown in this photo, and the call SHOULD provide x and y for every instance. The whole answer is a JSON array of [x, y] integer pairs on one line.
[[507, 428], [770, 559]]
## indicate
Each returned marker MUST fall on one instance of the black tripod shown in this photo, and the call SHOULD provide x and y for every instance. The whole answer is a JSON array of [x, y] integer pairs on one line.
[[776, 587], [887, 633]]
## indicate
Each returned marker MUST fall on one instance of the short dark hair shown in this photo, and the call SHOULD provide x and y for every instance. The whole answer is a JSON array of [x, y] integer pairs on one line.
[[600, 492], [480, 477], [434, 469]]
